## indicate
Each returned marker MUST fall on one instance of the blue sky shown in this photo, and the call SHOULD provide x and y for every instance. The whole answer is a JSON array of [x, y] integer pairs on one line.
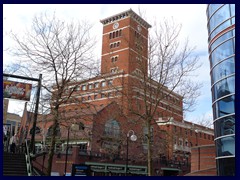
[[18, 17]]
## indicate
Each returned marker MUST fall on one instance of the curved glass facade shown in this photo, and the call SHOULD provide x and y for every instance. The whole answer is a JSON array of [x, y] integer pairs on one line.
[[221, 39]]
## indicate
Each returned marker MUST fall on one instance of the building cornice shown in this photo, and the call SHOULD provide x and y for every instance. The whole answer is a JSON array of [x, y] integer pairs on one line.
[[126, 14]]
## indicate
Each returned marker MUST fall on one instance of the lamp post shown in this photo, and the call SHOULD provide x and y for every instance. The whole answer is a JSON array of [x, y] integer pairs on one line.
[[132, 138], [66, 157]]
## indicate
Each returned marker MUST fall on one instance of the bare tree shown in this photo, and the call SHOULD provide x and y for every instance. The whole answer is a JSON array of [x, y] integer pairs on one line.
[[205, 121], [162, 78], [63, 53]]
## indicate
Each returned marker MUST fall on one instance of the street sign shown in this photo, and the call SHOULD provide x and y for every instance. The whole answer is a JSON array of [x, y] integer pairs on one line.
[[80, 170]]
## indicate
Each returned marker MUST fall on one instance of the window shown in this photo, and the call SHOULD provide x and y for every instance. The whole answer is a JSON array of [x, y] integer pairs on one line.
[[114, 59], [112, 128], [114, 45], [82, 148], [225, 126], [114, 70], [103, 83], [90, 86], [96, 85], [180, 142], [102, 95], [120, 32], [77, 88], [84, 87], [175, 128], [175, 140], [110, 82], [115, 34], [95, 96], [89, 98]]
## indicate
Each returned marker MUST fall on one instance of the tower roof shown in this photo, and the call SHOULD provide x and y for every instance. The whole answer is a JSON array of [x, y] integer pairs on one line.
[[125, 14]]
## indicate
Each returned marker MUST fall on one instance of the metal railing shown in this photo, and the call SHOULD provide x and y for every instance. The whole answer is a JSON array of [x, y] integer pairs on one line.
[[28, 159]]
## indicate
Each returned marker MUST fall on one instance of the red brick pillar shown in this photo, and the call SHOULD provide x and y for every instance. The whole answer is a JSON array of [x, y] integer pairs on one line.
[[203, 160], [75, 154]]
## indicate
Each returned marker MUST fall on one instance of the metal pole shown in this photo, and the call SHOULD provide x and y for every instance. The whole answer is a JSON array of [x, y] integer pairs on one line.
[[126, 158], [35, 115], [66, 157]]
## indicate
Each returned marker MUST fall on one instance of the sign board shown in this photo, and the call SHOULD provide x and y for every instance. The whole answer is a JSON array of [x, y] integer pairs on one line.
[[55, 174], [17, 90], [80, 170]]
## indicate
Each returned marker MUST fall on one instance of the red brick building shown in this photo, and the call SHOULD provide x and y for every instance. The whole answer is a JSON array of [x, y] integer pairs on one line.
[[100, 109]]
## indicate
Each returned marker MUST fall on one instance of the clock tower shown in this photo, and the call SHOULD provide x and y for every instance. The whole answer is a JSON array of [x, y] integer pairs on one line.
[[124, 44]]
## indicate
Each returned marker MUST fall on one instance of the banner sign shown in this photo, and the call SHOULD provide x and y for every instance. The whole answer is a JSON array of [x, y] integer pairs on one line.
[[17, 90], [80, 170]]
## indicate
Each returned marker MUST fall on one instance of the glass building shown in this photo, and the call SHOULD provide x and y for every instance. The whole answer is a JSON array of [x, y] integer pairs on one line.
[[221, 39]]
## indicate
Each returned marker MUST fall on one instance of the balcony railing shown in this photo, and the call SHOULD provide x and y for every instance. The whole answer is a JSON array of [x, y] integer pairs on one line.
[[181, 148]]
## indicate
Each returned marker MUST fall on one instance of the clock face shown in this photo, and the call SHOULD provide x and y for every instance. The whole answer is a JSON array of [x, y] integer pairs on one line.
[[139, 28], [115, 25]]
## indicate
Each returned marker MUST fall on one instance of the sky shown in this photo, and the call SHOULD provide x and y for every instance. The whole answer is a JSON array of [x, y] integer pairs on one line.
[[18, 17]]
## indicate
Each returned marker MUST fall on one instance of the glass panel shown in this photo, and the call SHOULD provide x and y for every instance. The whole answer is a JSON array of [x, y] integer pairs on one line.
[[226, 146], [233, 20], [221, 52], [232, 9], [224, 87], [223, 69], [221, 15], [220, 28], [224, 126], [224, 107], [226, 167], [212, 8], [222, 38]]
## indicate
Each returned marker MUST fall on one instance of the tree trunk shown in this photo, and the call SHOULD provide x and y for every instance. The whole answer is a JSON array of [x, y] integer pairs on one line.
[[53, 142]]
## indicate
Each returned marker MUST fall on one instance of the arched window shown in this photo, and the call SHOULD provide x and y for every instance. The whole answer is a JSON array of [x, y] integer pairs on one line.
[[112, 128]]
